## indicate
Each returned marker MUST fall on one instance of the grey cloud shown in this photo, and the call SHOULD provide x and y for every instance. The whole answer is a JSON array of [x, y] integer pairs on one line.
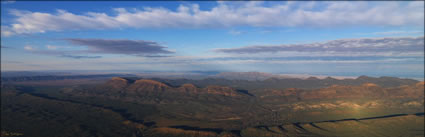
[[396, 44], [8, 1], [80, 57], [140, 48], [127, 47], [64, 54], [156, 56], [9, 61], [4, 47]]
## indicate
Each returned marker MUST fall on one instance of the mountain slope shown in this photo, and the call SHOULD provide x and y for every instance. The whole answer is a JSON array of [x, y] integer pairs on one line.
[[367, 90]]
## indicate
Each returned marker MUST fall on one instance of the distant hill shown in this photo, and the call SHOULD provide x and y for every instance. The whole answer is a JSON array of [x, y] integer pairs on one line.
[[250, 76], [58, 77], [237, 80], [152, 91], [366, 90], [148, 89], [280, 83]]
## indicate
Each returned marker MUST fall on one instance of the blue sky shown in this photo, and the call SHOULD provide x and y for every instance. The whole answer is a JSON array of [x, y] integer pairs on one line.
[[322, 38]]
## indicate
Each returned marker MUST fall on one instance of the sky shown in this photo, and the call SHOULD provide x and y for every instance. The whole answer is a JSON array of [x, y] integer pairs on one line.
[[337, 38]]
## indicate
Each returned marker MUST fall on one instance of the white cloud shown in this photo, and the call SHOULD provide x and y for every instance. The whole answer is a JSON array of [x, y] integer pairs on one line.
[[226, 14], [28, 47], [8, 1], [51, 47], [235, 32], [6, 31], [395, 32]]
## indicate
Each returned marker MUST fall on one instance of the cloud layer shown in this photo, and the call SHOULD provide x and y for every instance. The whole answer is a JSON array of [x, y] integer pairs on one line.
[[226, 14], [59, 53], [127, 47], [104, 46], [80, 57], [374, 45]]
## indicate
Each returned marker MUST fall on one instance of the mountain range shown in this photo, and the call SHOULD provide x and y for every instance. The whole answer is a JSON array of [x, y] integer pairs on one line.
[[129, 105]]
